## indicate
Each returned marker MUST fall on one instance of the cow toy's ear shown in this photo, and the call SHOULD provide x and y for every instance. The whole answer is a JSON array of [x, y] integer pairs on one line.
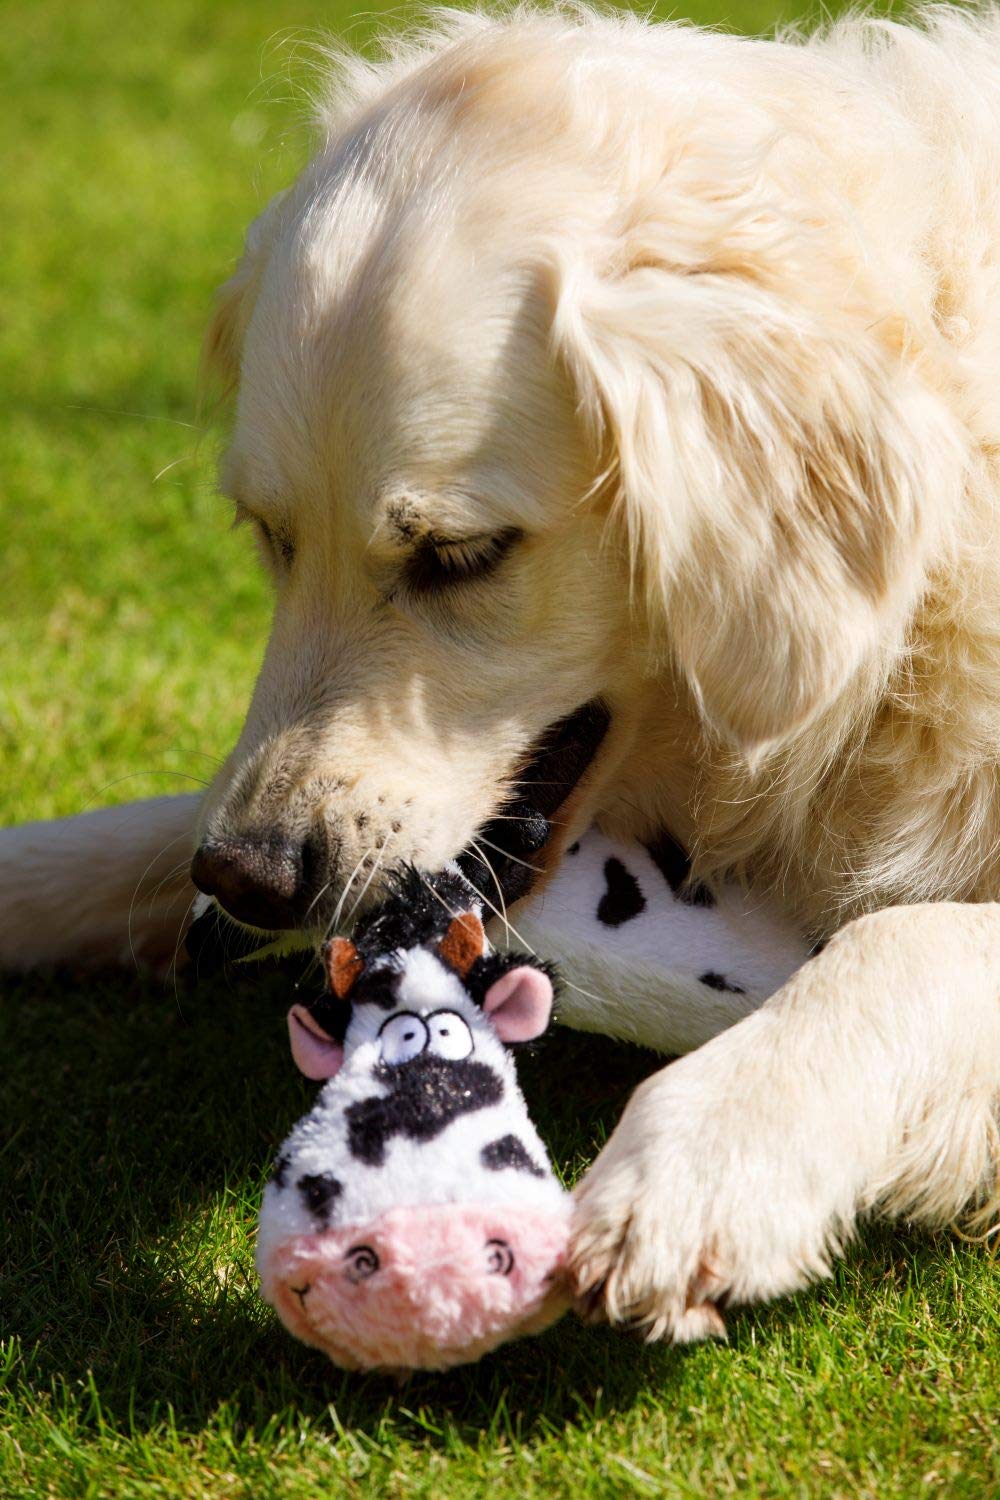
[[316, 1054], [343, 965], [463, 943], [519, 1003]]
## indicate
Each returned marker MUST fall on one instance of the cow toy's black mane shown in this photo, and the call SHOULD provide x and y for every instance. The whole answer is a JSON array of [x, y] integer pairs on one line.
[[416, 910], [416, 913]]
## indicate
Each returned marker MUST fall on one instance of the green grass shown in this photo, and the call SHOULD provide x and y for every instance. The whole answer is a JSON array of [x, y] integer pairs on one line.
[[138, 1118]]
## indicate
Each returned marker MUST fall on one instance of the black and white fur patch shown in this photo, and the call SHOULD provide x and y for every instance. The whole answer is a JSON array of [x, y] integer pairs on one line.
[[719, 982], [674, 865], [320, 1191], [636, 940], [424, 1095], [623, 898], [509, 1151]]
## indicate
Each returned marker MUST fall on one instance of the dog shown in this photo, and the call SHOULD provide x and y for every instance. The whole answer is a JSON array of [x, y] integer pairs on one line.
[[603, 373]]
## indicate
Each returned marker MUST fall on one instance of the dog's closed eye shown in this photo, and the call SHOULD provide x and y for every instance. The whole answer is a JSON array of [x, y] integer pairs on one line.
[[440, 563], [276, 545]]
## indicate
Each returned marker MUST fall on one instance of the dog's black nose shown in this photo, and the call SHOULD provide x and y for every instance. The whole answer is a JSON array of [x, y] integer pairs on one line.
[[257, 878]]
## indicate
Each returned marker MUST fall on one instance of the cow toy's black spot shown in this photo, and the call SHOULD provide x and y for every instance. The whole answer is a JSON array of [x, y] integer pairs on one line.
[[425, 1094], [675, 867], [574, 848], [623, 899], [279, 1172], [508, 1151], [320, 1191], [719, 982]]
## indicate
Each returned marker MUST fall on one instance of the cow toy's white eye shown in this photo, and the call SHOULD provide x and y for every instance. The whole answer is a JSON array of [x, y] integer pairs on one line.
[[450, 1036], [403, 1036]]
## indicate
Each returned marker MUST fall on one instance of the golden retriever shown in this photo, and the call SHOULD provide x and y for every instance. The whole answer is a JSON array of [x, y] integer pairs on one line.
[[595, 362]]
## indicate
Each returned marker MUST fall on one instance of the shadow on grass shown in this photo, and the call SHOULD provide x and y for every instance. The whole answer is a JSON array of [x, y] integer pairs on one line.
[[141, 1125]]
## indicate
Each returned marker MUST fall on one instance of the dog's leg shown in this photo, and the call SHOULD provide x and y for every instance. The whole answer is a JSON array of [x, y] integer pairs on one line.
[[108, 887], [869, 1082]]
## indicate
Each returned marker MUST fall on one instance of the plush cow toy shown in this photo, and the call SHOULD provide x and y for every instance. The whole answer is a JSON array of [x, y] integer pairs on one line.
[[413, 1219]]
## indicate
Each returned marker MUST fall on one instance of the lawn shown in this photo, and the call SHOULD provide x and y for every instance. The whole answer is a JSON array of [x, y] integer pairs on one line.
[[138, 1116]]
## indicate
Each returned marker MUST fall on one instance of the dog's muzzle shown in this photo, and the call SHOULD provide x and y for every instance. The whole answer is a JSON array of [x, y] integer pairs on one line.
[[262, 882]]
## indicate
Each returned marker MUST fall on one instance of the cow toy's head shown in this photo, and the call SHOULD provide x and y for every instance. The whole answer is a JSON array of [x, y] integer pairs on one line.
[[413, 1219]]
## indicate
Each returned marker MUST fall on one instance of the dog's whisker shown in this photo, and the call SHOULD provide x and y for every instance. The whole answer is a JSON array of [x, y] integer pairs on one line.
[[131, 776], [182, 927], [509, 818], [185, 458], [508, 925], [437, 895], [531, 781], [371, 877], [138, 886], [316, 900], [587, 994], [569, 983], [338, 909], [507, 855], [171, 874], [216, 760], [139, 416], [178, 895], [484, 858]]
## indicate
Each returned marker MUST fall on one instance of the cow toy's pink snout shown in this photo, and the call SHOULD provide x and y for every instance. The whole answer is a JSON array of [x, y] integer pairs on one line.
[[421, 1288]]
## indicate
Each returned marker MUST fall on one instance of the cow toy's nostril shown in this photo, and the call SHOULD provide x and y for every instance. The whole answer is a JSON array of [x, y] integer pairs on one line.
[[499, 1258], [362, 1262], [258, 879]]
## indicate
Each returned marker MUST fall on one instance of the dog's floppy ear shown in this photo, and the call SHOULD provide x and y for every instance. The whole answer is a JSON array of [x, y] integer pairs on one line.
[[222, 346], [781, 482]]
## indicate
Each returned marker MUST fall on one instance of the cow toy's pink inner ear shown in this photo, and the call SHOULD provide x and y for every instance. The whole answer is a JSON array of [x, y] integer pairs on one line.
[[316, 1055], [519, 1004]]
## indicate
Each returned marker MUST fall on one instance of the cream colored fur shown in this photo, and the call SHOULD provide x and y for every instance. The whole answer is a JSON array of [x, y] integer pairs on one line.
[[716, 324]]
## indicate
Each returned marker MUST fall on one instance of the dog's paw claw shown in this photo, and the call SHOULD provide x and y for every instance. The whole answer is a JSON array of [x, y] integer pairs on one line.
[[700, 1320], [618, 1277], [589, 1301]]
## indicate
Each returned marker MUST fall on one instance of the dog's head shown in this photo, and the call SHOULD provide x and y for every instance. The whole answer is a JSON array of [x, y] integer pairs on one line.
[[538, 412]]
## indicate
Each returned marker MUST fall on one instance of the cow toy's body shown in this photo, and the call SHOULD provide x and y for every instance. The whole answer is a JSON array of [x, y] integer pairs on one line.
[[413, 1219]]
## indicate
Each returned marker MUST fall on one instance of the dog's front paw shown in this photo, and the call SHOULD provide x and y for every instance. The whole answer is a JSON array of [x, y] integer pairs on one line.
[[692, 1204], [637, 1256]]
